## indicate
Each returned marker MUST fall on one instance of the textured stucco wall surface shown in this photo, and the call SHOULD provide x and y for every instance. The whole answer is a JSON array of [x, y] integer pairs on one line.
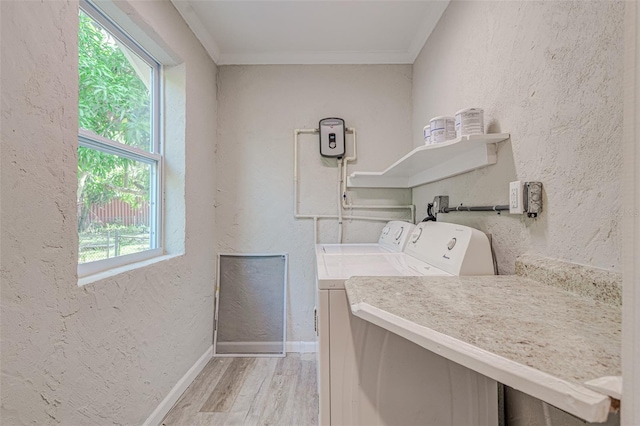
[[550, 74], [259, 107], [108, 352]]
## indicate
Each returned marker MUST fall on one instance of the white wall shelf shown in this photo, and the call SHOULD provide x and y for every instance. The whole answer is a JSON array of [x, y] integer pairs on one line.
[[431, 163]]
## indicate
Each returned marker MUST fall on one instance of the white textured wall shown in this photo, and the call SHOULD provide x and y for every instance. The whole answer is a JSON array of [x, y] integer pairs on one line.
[[259, 107], [549, 73], [108, 352]]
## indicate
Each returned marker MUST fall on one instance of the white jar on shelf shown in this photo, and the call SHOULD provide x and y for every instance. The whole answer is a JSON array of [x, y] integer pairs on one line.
[[443, 129], [469, 121], [427, 134]]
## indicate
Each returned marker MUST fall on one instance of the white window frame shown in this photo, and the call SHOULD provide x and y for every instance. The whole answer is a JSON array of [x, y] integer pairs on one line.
[[153, 157]]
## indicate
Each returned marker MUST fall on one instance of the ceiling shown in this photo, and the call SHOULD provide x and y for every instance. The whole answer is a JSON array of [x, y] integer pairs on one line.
[[312, 31]]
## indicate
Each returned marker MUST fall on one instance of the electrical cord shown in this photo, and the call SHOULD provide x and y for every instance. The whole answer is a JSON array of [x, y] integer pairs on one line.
[[430, 217]]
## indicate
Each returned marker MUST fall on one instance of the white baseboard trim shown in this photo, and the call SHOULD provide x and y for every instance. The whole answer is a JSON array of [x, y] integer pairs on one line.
[[248, 347], [265, 347], [161, 410], [302, 347]]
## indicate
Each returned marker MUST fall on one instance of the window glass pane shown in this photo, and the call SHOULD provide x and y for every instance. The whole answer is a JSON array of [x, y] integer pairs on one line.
[[114, 97], [115, 205]]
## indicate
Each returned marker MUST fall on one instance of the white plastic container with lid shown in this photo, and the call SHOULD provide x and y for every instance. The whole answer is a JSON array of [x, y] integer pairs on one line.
[[469, 121], [443, 129], [427, 134]]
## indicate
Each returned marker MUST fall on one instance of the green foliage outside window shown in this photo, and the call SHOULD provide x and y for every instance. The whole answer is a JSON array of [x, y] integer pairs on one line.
[[114, 102]]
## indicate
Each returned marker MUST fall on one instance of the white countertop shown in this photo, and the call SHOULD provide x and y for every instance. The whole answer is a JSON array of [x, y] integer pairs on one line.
[[533, 337]]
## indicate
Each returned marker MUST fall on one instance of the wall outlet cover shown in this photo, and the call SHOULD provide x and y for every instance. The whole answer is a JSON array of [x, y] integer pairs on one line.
[[516, 202]]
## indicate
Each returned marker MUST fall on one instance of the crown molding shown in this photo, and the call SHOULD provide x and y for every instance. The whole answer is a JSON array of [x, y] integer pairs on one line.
[[315, 58], [310, 58], [427, 27], [199, 29]]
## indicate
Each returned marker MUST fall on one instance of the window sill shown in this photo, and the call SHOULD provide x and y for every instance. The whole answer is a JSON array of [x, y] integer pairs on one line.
[[102, 275]]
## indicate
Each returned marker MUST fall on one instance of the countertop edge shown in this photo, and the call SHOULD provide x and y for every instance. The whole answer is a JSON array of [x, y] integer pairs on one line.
[[572, 398]]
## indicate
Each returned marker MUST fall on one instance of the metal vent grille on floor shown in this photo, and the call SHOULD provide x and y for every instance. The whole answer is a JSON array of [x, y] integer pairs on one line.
[[250, 314]]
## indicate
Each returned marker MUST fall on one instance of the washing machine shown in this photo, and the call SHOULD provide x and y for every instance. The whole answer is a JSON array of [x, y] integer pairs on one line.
[[369, 376], [393, 239]]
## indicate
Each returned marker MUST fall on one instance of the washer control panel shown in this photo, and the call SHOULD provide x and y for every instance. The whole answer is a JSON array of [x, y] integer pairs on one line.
[[395, 235]]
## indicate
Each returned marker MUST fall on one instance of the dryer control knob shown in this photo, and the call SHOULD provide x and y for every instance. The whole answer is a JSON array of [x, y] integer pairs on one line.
[[452, 243], [416, 235], [399, 233], [386, 230]]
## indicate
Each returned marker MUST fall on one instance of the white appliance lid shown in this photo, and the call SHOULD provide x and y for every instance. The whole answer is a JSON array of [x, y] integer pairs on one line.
[[334, 249], [394, 264]]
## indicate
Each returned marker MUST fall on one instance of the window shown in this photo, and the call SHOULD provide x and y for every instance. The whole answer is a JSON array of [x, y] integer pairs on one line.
[[119, 152]]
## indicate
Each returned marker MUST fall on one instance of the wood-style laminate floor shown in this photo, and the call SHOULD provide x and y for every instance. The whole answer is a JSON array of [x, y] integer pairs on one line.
[[250, 391]]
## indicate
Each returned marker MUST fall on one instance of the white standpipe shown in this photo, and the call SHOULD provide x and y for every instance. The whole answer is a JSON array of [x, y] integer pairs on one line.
[[342, 191], [297, 215], [315, 230], [339, 203]]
